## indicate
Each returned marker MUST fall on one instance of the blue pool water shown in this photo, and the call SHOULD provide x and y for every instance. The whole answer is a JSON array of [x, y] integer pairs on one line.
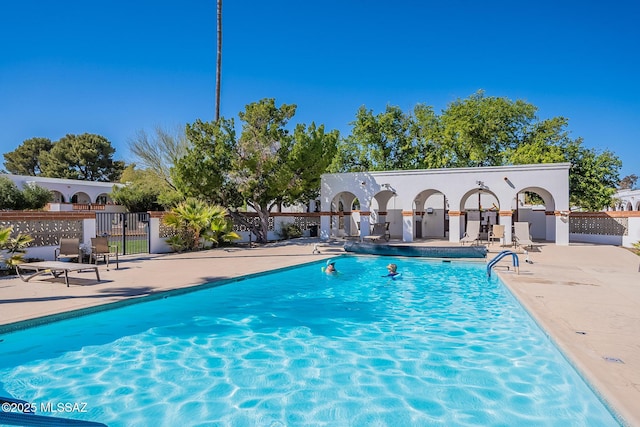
[[442, 345]]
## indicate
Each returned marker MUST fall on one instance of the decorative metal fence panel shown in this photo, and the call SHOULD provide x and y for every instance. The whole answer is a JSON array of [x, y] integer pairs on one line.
[[239, 227], [46, 232], [599, 225], [307, 222], [129, 231]]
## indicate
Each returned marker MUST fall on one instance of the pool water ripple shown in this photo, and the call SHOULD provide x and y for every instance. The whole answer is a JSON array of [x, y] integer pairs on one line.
[[441, 346]]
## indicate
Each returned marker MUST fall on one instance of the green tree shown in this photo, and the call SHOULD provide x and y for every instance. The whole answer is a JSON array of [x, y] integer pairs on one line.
[[36, 197], [477, 131], [32, 197], [144, 191], [25, 160], [593, 177], [378, 142], [10, 195], [158, 153], [427, 130], [84, 157], [263, 168]]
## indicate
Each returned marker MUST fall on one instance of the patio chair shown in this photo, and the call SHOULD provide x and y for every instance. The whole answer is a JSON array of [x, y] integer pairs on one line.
[[497, 233], [472, 235], [69, 248], [379, 232], [100, 248], [521, 234]]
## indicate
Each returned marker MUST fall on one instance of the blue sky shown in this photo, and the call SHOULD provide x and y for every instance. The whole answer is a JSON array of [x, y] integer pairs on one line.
[[115, 67]]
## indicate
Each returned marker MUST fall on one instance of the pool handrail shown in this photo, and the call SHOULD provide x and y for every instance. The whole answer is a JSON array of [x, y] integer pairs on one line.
[[502, 254]]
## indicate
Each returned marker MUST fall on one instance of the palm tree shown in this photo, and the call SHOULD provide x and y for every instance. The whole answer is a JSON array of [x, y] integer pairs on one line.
[[220, 228], [13, 248], [195, 221], [218, 60], [189, 218]]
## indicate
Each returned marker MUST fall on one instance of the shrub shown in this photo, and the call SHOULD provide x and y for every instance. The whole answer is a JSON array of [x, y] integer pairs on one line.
[[12, 249], [289, 231], [32, 197]]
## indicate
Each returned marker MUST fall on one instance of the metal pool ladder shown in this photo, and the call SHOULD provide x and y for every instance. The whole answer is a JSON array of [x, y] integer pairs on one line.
[[494, 261]]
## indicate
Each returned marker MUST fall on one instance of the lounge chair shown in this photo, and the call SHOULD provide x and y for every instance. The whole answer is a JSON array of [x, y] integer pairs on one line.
[[379, 232], [497, 233], [100, 248], [69, 248], [521, 234], [472, 235], [55, 268]]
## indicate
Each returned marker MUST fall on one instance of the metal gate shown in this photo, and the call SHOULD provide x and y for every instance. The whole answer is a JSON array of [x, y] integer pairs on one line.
[[129, 231]]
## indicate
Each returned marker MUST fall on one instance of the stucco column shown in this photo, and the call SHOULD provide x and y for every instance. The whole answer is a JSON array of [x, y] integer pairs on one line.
[[325, 225], [365, 223], [407, 226], [506, 219], [550, 225], [562, 228], [455, 226]]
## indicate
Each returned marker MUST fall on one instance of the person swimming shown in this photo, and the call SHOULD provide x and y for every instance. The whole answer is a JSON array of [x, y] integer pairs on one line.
[[392, 271], [330, 268]]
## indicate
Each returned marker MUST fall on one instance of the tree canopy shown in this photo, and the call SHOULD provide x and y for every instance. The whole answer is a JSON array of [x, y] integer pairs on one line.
[[157, 153], [264, 167], [84, 157], [144, 190], [477, 131], [25, 160]]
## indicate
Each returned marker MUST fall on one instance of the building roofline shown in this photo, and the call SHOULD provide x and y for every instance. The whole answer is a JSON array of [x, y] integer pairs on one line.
[[65, 181], [513, 168]]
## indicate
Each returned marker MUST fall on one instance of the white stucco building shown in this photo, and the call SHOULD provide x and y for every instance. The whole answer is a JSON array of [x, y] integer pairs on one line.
[[627, 200], [69, 190], [437, 203]]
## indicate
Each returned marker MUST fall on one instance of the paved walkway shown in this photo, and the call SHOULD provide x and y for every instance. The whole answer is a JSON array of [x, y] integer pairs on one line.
[[586, 297]]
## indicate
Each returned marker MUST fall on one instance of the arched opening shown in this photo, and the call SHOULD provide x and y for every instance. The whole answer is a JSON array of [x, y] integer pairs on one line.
[[431, 215], [481, 204], [345, 215], [103, 199], [386, 209], [536, 206], [58, 197], [80, 197]]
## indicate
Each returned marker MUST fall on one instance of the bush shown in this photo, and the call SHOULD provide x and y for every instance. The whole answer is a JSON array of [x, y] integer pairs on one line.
[[36, 197], [289, 231], [32, 197], [10, 194], [12, 249]]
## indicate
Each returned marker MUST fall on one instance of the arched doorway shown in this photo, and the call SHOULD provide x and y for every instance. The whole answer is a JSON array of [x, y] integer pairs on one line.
[[431, 215], [80, 197]]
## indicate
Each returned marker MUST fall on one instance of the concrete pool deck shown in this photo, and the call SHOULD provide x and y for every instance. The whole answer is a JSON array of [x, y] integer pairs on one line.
[[586, 297]]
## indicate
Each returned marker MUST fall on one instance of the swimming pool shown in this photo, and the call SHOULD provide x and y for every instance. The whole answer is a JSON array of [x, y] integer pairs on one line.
[[440, 346]]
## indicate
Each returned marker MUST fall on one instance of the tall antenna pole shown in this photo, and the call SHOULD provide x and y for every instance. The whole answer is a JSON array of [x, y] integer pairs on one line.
[[219, 60]]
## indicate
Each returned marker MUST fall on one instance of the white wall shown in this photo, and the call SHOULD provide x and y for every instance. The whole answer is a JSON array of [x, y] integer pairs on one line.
[[461, 186]]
